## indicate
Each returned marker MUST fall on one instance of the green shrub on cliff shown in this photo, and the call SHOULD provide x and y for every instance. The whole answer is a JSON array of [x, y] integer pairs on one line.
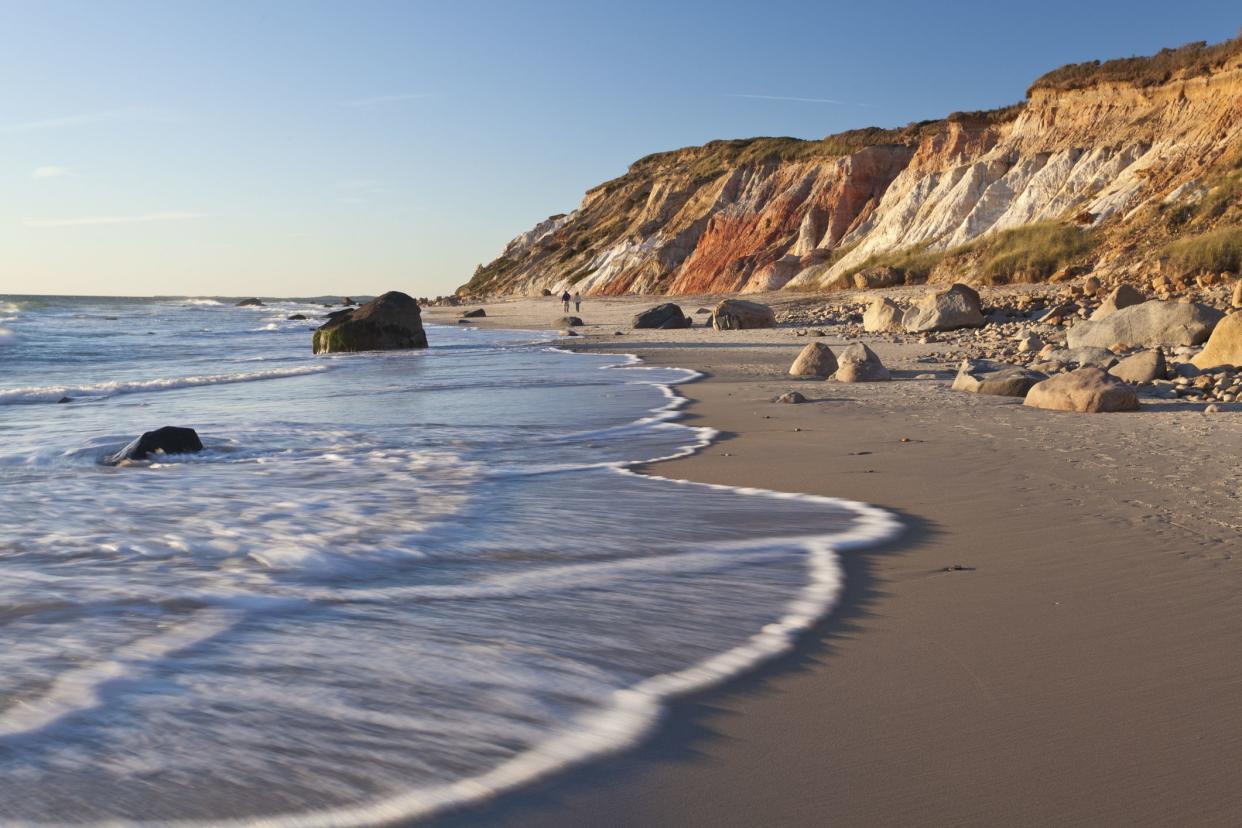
[[1186, 61]]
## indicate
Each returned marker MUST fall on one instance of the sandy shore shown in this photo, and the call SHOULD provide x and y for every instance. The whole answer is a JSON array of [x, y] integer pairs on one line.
[[1080, 670]]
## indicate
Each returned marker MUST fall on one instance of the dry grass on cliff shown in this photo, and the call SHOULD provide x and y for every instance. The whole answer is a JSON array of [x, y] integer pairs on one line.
[[1031, 252], [1216, 251], [1191, 60]]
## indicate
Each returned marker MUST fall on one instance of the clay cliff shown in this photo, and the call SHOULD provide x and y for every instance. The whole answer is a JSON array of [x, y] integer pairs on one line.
[[1119, 167]]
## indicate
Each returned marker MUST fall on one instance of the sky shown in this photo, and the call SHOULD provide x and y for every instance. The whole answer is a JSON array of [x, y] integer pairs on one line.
[[304, 148]]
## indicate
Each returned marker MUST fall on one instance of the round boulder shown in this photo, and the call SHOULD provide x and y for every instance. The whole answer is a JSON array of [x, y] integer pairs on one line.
[[983, 376], [858, 363], [666, 317], [166, 440], [738, 315], [816, 360]]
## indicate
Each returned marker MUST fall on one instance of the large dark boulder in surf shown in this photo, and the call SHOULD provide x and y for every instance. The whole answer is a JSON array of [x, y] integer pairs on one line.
[[250, 303], [474, 314], [666, 316], [391, 322], [166, 440], [297, 317]]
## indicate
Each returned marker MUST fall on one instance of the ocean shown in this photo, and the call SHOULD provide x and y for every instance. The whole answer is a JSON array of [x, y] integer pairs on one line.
[[392, 583]]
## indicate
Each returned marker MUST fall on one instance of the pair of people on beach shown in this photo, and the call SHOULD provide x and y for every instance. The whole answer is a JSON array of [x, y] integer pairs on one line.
[[576, 299]]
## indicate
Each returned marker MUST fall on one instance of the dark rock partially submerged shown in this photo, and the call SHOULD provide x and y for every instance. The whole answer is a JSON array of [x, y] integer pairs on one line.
[[297, 317], [166, 440], [474, 314], [250, 303], [389, 323]]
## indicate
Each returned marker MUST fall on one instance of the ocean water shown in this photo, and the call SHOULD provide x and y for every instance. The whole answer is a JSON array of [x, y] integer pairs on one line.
[[391, 584]]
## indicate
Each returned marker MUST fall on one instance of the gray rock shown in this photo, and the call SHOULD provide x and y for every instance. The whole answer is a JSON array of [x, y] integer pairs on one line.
[[1141, 368], [1153, 324], [738, 314], [945, 310], [984, 376], [815, 360], [567, 322], [666, 316], [858, 363], [474, 314], [1083, 357], [791, 397]]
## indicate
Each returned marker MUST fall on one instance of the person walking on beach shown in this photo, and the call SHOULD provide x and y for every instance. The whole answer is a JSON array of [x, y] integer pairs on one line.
[[577, 302], [565, 300]]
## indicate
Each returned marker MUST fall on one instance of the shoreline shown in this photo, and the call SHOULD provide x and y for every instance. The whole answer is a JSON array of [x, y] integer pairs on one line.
[[1075, 670]]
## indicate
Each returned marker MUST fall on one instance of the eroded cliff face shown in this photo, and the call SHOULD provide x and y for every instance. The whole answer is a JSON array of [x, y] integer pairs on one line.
[[751, 216]]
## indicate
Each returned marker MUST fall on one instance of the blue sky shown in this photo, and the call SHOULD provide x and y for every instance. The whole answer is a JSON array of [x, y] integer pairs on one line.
[[295, 148]]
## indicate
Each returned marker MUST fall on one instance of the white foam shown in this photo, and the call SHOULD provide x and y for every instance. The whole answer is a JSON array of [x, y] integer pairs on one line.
[[635, 710], [52, 393]]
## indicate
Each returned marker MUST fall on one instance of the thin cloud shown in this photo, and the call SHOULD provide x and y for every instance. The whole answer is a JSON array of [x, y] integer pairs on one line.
[[172, 215], [797, 100], [50, 172], [379, 100], [87, 119]]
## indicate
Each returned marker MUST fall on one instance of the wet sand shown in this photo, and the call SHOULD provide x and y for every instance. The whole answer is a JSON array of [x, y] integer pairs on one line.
[[1053, 642]]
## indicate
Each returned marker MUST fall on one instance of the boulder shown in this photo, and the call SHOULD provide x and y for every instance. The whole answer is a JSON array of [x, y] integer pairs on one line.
[[983, 376], [389, 323], [791, 397], [883, 316], [881, 276], [1030, 343], [664, 316], [945, 310], [816, 360], [347, 301], [1141, 368], [1083, 357], [567, 322], [1087, 390], [1152, 324], [297, 317], [545, 292], [737, 315], [166, 440], [858, 363], [1123, 296], [250, 303], [1224, 347], [474, 314]]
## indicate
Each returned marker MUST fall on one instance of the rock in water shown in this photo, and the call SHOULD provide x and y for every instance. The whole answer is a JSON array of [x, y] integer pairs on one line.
[[816, 360], [1141, 368], [739, 315], [945, 310], [296, 317], [166, 440], [983, 376], [1153, 324], [1123, 296], [883, 316], [568, 322], [1087, 390], [389, 323], [664, 316], [858, 363], [250, 303], [474, 314], [1224, 347]]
